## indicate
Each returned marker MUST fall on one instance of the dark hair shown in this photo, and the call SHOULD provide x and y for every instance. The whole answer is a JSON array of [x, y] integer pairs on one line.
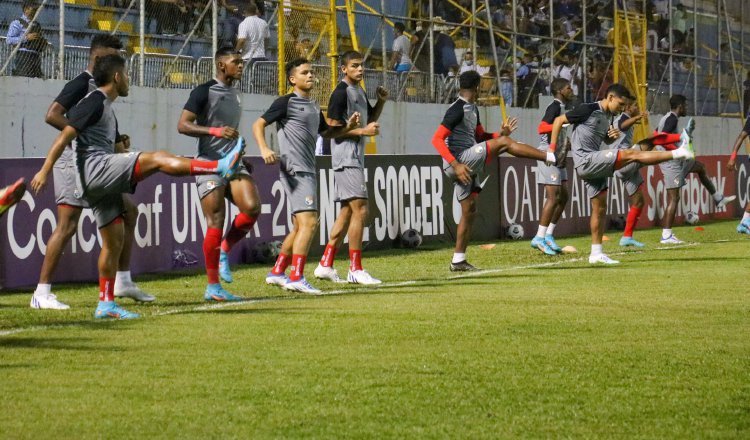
[[619, 90], [291, 65], [30, 4], [251, 9], [350, 55], [106, 67], [676, 101], [399, 27], [105, 41], [225, 51], [557, 85], [469, 79]]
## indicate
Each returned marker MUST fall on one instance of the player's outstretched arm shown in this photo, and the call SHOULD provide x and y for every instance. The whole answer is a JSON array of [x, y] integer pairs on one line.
[[188, 127], [259, 133], [732, 164], [63, 140], [626, 124]]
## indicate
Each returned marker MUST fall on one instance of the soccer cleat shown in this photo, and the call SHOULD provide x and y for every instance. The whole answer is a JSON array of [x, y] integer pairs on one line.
[[541, 244], [686, 150], [276, 280], [742, 228], [11, 194], [301, 285], [327, 273], [47, 302], [110, 310], [552, 243], [630, 241], [134, 292], [601, 259], [228, 164], [224, 270], [214, 292], [671, 240], [690, 127], [725, 200], [462, 266], [362, 277]]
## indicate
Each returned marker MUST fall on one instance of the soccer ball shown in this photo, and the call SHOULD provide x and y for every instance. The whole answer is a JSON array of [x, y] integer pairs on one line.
[[266, 253], [411, 238], [691, 218], [515, 231]]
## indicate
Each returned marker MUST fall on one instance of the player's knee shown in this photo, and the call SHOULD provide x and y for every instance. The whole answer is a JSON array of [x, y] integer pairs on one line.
[[215, 220], [469, 207], [637, 200], [252, 209]]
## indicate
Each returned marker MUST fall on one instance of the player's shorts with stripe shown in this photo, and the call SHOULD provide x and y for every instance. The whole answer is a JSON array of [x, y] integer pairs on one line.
[[104, 178], [349, 184], [209, 182], [550, 174], [301, 191], [595, 169], [64, 175], [674, 172], [474, 158], [630, 175]]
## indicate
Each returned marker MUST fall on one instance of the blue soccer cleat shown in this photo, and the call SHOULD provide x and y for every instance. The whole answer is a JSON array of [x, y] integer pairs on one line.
[[224, 270], [541, 244], [216, 293], [110, 310], [630, 241], [743, 228], [229, 164], [552, 243]]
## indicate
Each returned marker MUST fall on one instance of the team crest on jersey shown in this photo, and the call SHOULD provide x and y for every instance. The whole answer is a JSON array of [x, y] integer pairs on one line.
[[308, 200], [554, 177]]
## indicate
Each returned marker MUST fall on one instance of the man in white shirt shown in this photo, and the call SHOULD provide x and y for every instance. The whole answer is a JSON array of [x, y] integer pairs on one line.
[[252, 35], [400, 60], [469, 64]]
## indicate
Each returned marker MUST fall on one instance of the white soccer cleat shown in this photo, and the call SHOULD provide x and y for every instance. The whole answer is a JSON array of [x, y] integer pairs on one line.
[[686, 150], [47, 302], [276, 280], [671, 240], [301, 285], [601, 259], [551, 159], [725, 201], [134, 292], [327, 273], [362, 277]]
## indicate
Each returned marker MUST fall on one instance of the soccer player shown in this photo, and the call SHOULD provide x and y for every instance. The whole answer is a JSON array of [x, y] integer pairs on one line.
[[348, 160], [675, 171], [298, 121], [744, 226], [554, 177], [592, 125], [212, 114], [630, 174], [11, 194], [465, 148], [69, 206], [105, 175]]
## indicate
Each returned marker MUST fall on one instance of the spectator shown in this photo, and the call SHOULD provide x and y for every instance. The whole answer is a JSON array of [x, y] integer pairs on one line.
[[445, 50], [234, 10], [420, 51], [401, 60], [506, 87], [746, 96], [252, 36], [30, 41], [567, 70], [469, 64]]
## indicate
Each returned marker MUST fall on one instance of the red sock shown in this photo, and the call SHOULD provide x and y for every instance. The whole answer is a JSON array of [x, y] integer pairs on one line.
[[106, 289], [198, 167], [355, 259], [328, 256], [670, 138], [211, 246], [240, 227], [282, 262], [633, 215], [298, 267]]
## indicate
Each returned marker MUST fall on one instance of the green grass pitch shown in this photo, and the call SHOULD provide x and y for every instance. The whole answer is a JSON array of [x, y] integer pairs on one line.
[[657, 347]]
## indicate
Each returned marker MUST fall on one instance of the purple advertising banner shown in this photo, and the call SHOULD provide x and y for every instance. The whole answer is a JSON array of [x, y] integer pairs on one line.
[[405, 192]]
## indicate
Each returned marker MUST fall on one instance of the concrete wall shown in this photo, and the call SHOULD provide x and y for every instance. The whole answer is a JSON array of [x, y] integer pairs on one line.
[[150, 117]]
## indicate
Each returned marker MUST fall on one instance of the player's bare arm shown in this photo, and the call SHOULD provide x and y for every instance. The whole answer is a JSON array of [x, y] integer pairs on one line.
[[188, 127], [259, 132], [556, 128], [338, 130], [56, 116], [626, 124], [63, 140], [732, 164]]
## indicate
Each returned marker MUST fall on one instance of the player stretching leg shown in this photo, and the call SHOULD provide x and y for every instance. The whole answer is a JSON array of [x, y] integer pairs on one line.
[[465, 148], [212, 114], [744, 226], [298, 121], [348, 160], [592, 126], [553, 177], [69, 206], [106, 175]]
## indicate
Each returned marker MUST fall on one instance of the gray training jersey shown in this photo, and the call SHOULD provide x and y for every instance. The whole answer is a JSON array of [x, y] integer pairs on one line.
[[298, 122], [347, 99], [625, 140], [95, 122], [462, 119], [590, 126], [217, 105]]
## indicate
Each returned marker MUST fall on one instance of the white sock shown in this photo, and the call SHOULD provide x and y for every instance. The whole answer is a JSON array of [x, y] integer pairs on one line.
[[680, 153], [43, 289], [551, 229], [666, 233], [746, 217], [541, 231], [458, 257], [717, 196], [596, 249], [123, 278]]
